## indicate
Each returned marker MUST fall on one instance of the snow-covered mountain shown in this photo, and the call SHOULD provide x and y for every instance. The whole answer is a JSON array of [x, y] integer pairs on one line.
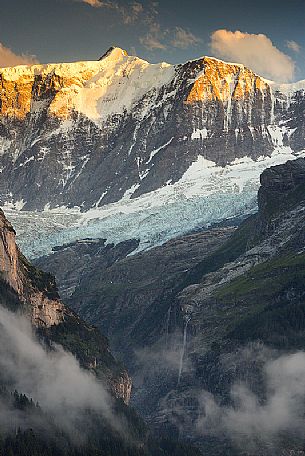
[[107, 145]]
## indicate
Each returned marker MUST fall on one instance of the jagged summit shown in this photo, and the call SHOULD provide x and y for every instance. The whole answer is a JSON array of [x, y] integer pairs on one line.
[[115, 52]]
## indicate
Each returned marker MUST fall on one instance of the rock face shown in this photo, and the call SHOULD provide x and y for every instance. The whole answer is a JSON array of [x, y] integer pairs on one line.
[[35, 289], [278, 182], [71, 263], [9, 256], [26, 288], [83, 134]]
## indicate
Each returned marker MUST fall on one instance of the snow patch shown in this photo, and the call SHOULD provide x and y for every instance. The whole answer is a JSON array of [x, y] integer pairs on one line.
[[156, 151], [200, 133], [5, 145]]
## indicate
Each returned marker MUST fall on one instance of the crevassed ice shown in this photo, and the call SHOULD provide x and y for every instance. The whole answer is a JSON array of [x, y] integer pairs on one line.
[[206, 194]]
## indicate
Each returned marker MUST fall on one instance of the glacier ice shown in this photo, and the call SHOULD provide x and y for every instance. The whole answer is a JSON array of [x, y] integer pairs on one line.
[[205, 194]]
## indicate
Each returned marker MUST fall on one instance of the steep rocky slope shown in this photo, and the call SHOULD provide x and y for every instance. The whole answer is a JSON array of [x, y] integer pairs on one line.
[[122, 138], [127, 296], [243, 308], [73, 262]]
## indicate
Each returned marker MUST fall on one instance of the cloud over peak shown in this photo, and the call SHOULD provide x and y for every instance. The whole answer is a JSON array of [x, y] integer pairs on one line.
[[184, 39], [9, 58], [94, 3], [157, 37], [129, 12], [255, 51], [160, 39]]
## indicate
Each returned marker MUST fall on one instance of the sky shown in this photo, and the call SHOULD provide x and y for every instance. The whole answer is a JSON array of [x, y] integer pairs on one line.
[[266, 35]]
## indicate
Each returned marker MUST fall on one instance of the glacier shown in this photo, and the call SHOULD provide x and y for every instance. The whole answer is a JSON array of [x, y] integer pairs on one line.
[[206, 194]]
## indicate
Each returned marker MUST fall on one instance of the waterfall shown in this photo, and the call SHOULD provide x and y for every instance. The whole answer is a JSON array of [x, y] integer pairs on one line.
[[187, 320], [167, 324]]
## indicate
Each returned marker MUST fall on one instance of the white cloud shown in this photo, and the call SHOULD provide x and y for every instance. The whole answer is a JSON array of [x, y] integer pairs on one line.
[[152, 42], [129, 12], [249, 421], [94, 3], [9, 58], [255, 51], [51, 377], [293, 46], [184, 39], [159, 38], [155, 38]]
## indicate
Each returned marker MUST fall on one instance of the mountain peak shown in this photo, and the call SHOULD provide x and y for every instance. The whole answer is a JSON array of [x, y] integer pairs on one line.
[[115, 53]]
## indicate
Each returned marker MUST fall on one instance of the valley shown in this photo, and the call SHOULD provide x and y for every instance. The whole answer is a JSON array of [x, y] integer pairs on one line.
[[166, 204]]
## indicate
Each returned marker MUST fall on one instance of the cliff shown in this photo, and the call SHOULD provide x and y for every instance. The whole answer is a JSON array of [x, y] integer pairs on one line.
[[36, 290], [34, 293]]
